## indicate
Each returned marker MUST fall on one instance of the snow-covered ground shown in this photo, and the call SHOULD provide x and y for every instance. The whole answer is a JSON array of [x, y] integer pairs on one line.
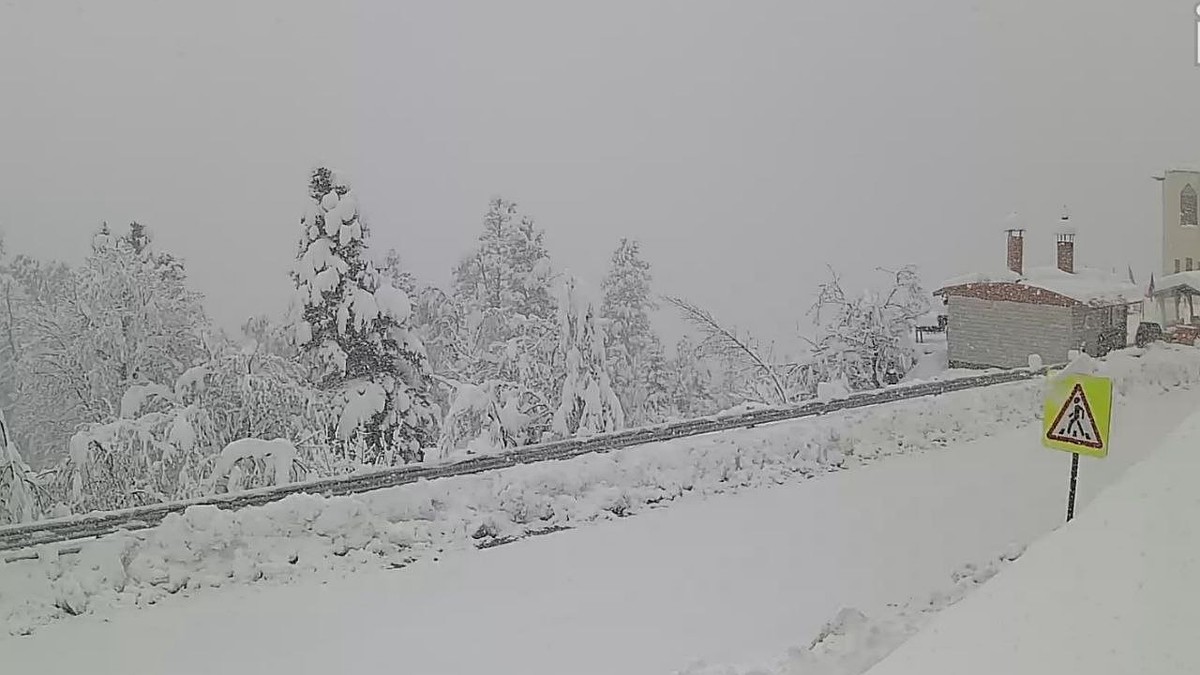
[[730, 578], [1113, 592]]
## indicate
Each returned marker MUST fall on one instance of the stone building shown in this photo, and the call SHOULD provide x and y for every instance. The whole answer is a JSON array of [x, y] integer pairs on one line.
[[1001, 319]]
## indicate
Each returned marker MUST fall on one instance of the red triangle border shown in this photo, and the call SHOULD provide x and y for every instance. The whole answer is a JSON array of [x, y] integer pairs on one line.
[[1087, 406]]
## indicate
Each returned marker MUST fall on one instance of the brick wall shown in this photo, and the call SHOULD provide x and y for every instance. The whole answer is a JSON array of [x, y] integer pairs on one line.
[[1002, 334]]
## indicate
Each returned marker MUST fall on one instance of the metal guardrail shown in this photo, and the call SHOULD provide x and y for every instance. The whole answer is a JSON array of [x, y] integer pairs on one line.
[[16, 537]]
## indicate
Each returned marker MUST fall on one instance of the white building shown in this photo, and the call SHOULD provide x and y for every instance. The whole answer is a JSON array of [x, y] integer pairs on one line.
[[1180, 230]]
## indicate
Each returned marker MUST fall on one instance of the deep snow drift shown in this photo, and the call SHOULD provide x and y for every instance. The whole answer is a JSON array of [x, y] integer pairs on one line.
[[1115, 591]]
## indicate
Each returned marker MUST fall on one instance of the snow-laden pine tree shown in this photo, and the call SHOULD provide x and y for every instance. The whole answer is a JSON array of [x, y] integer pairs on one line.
[[355, 332], [630, 341], [587, 403], [496, 336], [509, 270]]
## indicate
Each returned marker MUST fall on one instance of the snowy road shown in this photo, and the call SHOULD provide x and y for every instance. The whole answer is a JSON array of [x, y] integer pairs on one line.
[[735, 578]]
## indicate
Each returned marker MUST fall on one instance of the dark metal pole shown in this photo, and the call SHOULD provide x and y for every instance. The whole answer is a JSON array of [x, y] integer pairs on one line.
[[1074, 478]]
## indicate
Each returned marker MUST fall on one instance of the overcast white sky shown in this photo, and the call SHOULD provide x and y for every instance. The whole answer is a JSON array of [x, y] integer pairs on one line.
[[747, 144]]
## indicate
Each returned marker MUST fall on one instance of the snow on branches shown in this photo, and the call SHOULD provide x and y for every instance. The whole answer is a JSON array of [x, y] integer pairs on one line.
[[494, 339], [755, 376], [124, 317], [587, 404], [21, 498], [866, 341], [169, 440], [355, 332], [634, 351]]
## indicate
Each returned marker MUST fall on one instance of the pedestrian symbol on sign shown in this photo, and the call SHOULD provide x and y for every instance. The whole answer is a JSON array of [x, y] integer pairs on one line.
[[1075, 423]]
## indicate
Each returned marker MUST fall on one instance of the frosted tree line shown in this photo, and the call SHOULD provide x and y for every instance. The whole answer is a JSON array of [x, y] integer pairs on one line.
[[117, 390]]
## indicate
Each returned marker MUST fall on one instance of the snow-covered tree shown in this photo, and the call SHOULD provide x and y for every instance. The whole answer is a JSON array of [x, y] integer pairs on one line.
[[656, 407], [11, 297], [264, 335], [689, 383], [866, 341], [21, 497], [138, 237], [397, 275], [355, 332], [123, 318], [630, 339], [510, 269], [496, 335], [587, 404]]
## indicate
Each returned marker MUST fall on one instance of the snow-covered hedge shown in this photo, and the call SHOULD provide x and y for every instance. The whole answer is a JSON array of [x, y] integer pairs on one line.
[[306, 535]]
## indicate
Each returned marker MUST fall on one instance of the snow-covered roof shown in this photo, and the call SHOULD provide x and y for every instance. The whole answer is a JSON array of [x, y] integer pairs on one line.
[[1179, 280], [1086, 285]]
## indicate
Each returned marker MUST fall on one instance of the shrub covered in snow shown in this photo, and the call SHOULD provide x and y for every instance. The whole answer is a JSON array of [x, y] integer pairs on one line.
[[166, 443], [21, 498]]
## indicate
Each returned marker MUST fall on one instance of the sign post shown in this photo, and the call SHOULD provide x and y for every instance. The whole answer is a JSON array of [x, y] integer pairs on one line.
[[1076, 418]]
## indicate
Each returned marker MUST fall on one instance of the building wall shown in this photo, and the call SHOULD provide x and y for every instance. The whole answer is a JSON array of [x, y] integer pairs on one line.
[[1180, 240], [1002, 334], [1087, 324]]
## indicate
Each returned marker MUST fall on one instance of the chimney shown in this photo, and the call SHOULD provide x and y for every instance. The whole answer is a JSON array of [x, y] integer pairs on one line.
[[1066, 252], [1016, 251], [1066, 244]]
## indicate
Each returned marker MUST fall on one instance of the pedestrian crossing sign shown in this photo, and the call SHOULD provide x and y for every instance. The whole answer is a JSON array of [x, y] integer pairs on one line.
[[1077, 414]]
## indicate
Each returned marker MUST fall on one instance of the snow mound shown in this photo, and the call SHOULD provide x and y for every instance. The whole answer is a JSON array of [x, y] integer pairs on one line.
[[304, 536]]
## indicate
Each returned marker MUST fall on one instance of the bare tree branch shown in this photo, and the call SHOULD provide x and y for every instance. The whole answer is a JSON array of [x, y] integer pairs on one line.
[[725, 342]]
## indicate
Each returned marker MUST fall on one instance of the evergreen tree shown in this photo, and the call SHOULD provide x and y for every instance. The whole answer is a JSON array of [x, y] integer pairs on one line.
[[355, 332], [395, 274], [587, 404], [689, 383], [630, 338], [510, 269], [137, 238], [496, 334]]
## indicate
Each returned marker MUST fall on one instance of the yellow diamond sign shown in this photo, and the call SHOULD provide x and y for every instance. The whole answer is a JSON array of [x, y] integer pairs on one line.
[[1077, 414]]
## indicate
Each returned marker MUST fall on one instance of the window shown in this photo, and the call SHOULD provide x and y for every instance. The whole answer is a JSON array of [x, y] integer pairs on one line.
[[1177, 265], [1187, 206], [1189, 264]]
